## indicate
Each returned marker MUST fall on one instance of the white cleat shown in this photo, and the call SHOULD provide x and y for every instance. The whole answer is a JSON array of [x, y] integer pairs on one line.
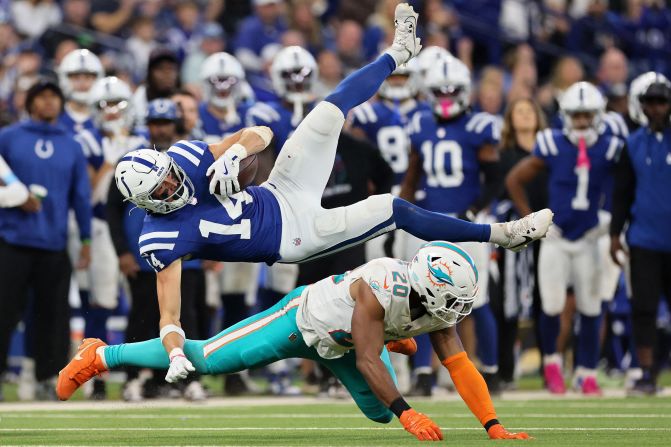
[[520, 233], [406, 44]]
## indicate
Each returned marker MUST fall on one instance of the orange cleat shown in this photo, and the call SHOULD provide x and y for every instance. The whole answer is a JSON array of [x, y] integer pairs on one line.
[[85, 365], [407, 346]]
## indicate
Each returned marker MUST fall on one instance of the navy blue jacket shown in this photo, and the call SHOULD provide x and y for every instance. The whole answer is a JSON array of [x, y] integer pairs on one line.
[[46, 155]]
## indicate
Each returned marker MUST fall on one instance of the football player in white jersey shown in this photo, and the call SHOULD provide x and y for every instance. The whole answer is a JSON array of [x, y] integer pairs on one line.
[[343, 322]]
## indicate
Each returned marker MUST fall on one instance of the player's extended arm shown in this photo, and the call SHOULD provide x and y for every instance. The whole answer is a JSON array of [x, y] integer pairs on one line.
[[228, 154], [521, 174], [412, 176], [368, 338], [469, 382], [168, 282]]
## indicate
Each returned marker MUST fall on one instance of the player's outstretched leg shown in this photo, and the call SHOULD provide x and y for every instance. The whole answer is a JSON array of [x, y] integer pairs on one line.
[[362, 85], [258, 340]]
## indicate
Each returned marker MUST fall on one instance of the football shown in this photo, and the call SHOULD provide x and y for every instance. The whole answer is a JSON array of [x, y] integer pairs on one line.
[[248, 167]]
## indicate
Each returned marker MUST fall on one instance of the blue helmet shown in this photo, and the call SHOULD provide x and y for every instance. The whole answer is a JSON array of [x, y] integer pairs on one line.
[[162, 110]]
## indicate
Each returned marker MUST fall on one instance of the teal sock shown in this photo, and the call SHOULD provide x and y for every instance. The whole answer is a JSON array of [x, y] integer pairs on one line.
[[151, 354]]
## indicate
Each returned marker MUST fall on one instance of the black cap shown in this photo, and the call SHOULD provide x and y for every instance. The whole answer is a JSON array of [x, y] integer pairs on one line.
[[657, 90], [42, 84], [162, 54]]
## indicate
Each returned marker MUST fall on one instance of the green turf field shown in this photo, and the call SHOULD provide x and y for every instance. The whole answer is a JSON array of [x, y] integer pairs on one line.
[[565, 422]]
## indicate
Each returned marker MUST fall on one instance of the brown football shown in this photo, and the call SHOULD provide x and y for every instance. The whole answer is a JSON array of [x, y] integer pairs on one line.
[[248, 167]]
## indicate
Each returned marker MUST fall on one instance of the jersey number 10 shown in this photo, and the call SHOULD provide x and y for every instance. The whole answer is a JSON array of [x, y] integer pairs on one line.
[[434, 164]]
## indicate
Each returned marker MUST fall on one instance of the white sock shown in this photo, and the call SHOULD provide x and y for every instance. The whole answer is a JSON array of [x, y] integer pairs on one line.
[[497, 233], [552, 359], [100, 352]]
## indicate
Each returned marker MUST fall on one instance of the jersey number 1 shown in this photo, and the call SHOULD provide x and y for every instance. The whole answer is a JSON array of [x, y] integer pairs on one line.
[[580, 201]]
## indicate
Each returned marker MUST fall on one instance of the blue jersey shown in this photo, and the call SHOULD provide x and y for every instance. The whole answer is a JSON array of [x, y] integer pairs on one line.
[[449, 154], [650, 155], [275, 116], [88, 136], [576, 195], [385, 127], [246, 227], [214, 129]]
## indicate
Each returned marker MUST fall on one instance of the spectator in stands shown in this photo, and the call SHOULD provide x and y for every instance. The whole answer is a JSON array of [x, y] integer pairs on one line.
[[612, 78], [330, 73], [110, 16], [32, 18], [74, 26], [349, 40], [303, 20], [567, 71], [264, 28], [185, 35], [594, 33], [187, 105], [140, 45], [33, 253], [479, 20], [212, 40], [162, 80]]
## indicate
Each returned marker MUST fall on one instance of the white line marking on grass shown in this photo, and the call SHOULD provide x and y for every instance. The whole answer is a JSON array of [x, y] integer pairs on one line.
[[326, 416], [224, 429]]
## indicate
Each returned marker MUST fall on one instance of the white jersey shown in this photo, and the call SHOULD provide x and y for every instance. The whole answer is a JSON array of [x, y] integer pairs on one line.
[[324, 316]]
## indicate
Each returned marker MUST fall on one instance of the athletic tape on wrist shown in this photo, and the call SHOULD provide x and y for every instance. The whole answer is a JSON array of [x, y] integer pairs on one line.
[[176, 352], [165, 330], [237, 149]]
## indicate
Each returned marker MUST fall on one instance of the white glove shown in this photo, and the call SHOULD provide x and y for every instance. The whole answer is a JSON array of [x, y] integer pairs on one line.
[[180, 366], [225, 171]]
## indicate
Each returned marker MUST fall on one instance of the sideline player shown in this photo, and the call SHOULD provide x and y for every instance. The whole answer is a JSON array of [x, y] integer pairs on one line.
[[342, 322], [579, 160], [283, 219]]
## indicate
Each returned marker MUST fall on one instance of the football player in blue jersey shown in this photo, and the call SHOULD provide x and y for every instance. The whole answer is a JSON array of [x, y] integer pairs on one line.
[[223, 110], [579, 160], [452, 149], [282, 220], [77, 73]]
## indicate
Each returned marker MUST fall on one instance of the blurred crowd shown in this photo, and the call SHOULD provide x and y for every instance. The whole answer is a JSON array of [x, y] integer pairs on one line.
[[155, 71]]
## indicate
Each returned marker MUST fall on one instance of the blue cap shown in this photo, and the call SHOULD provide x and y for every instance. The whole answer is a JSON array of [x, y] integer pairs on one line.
[[161, 110]]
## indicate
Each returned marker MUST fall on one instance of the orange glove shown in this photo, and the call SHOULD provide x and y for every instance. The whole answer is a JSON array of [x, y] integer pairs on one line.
[[498, 432], [407, 346], [420, 426]]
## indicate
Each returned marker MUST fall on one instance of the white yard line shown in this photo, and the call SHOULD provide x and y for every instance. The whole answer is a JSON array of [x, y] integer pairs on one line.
[[462, 415], [228, 429]]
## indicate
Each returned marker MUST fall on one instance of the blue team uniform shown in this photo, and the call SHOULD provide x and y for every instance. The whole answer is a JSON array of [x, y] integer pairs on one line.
[[449, 154], [246, 227], [576, 202], [215, 129], [275, 116], [385, 127]]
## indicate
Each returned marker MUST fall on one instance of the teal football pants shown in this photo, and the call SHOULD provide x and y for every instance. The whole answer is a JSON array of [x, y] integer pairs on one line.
[[259, 340]]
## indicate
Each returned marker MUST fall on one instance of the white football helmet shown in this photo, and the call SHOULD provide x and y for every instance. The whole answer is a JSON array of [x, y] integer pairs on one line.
[[582, 97], [409, 89], [294, 74], [78, 61], [221, 75], [638, 87], [140, 172], [112, 96], [448, 86], [428, 57], [446, 279]]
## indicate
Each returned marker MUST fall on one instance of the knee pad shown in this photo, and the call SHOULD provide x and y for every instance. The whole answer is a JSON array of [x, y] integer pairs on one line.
[[381, 203], [325, 119], [331, 222]]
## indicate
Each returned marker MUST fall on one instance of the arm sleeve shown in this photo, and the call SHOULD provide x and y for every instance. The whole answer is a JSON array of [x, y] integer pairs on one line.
[[624, 191], [114, 211], [80, 195]]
